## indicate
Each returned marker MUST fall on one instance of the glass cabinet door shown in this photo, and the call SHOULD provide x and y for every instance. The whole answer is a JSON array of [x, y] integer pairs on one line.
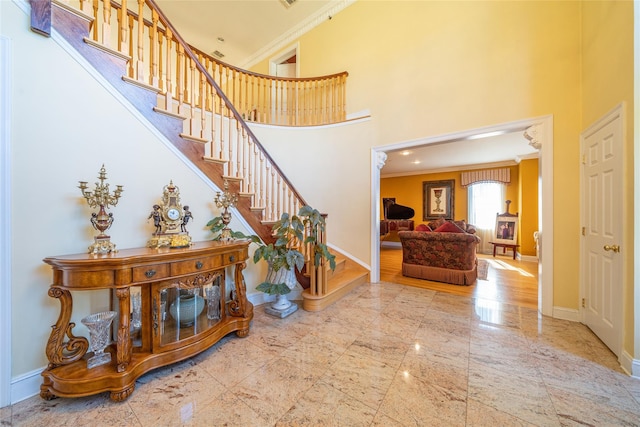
[[183, 310]]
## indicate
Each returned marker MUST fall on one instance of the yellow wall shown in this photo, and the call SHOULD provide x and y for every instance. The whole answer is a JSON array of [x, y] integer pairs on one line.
[[431, 68], [528, 207], [607, 79], [407, 191]]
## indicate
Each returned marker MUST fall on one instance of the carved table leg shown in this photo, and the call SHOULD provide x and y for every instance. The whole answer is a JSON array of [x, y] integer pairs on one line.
[[123, 346], [238, 306], [119, 396], [58, 351]]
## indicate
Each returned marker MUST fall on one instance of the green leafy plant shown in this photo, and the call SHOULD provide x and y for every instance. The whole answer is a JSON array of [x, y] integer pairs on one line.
[[216, 226], [284, 253]]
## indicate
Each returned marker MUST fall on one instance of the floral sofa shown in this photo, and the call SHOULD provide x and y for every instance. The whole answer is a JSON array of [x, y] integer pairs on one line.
[[440, 255]]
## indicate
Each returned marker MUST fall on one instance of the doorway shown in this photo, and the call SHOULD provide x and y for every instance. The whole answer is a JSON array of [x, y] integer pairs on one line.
[[283, 93], [540, 134]]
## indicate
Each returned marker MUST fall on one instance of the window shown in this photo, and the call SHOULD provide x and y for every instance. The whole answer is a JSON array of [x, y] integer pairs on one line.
[[485, 201]]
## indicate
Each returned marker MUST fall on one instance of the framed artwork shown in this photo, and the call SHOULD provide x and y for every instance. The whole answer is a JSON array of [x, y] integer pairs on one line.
[[438, 199], [506, 230]]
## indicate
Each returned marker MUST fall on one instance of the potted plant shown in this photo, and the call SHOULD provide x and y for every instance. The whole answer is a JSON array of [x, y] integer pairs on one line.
[[284, 257]]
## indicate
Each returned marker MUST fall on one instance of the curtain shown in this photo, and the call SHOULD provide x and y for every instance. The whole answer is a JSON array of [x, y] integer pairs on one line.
[[485, 175], [485, 201]]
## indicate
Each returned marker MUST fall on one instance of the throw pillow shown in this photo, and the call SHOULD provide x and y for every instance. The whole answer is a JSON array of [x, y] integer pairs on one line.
[[448, 227], [437, 223], [462, 224], [423, 227]]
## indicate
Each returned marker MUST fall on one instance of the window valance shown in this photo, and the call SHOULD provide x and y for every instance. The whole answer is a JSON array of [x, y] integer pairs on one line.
[[502, 175]]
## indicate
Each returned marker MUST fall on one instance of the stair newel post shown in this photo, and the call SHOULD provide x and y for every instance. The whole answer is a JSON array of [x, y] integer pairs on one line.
[[140, 44], [322, 268]]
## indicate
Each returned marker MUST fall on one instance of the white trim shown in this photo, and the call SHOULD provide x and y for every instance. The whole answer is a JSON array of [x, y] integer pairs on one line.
[[636, 192], [391, 244], [26, 385], [6, 62], [293, 50], [545, 281], [527, 258], [630, 365], [564, 313]]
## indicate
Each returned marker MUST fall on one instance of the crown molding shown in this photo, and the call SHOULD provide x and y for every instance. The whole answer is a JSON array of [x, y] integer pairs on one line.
[[296, 32]]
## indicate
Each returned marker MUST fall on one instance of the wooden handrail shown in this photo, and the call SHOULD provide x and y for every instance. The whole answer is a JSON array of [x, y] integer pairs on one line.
[[221, 94]]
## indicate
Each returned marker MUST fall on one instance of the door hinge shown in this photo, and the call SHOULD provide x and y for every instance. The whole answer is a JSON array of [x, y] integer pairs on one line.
[[584, 303], [584, 231], [584, 159]]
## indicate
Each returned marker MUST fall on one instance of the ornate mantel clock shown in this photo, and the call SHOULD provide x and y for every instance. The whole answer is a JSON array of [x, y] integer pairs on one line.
[[170, 219]]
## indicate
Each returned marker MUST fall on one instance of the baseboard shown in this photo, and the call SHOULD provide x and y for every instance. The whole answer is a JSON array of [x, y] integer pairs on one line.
[[26, 385], [630, 365], [528, 258], [566, 314], [391, 244]]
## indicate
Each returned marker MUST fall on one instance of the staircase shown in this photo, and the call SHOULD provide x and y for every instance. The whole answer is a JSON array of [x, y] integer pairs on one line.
[[174, 91]]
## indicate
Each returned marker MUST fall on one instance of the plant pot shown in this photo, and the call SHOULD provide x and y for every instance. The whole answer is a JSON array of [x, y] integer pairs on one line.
[[288, 277], [282, 303]]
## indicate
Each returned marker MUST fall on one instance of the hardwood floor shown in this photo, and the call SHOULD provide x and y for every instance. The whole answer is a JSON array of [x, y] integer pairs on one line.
[[508, 281]]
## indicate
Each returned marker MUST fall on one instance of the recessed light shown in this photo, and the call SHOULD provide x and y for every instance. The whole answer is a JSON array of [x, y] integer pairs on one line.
[[221, 39], [416, 162], [405, 153], [487, 134]]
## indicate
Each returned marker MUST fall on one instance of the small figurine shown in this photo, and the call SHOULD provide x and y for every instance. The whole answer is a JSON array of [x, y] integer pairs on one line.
[[185, 219], [157, 218]]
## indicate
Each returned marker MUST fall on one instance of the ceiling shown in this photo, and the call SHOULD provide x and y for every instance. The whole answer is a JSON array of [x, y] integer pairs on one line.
[[251, 30], [248, 31], [471, 152]]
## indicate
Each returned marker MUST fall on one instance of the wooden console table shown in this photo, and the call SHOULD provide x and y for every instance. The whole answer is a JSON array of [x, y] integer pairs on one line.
[[161, 277], [504, 247]]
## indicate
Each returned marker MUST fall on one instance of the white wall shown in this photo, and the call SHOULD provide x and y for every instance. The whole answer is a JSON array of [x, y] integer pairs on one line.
[[330, 167], [66, 125]]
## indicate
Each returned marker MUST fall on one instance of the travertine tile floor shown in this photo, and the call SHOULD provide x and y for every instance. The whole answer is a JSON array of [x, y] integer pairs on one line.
[[386, 355]]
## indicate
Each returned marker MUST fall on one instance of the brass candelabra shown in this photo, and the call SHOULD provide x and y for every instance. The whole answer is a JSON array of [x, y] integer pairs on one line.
[[102, 198], [225, 200]]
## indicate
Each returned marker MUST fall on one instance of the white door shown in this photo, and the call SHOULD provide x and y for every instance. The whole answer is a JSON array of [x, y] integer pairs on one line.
[[601, 261]]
